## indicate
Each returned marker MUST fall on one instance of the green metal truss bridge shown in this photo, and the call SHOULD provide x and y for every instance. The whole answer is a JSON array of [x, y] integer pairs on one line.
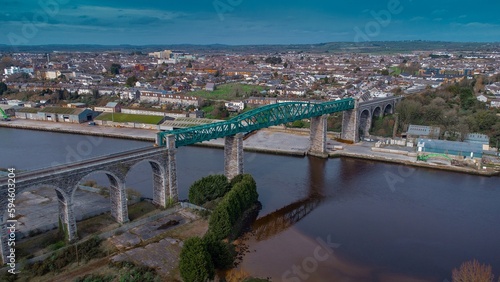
[[255, 119]]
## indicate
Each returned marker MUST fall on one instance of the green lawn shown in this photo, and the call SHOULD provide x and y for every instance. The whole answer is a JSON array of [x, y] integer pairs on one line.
[[119, 117], [395, 71], [229, 92]]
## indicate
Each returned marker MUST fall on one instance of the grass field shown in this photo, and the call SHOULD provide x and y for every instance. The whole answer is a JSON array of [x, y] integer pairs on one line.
[[229, 92], [119, 117]]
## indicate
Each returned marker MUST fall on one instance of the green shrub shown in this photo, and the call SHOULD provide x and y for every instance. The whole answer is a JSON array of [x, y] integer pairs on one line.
[[241, 197], [195, 262], [208, 188], [222, 254], [219, 224]]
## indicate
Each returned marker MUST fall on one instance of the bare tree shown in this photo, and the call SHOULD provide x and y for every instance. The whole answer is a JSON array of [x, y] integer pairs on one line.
[[473, 271]]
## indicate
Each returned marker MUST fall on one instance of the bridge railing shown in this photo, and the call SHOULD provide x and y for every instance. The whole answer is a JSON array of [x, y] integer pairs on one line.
[[255, 119], [64, 166]]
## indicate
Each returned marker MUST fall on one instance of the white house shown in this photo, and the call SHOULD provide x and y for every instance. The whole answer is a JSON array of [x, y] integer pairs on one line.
[[482, 98], [235, 106]]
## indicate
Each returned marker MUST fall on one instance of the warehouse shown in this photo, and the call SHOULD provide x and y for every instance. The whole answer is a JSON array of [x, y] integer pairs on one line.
[[463, 149]]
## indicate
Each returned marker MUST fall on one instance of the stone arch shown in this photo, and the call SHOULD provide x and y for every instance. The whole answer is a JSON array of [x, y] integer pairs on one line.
[[388, 109], [117, 194], [160, 191], [365, 121], [377, 112], [65, 209], [60, 194]]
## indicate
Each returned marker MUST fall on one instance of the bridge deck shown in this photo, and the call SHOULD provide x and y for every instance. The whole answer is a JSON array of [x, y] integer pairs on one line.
[[34, 174]]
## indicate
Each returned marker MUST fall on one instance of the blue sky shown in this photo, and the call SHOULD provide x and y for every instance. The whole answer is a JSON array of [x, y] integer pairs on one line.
[[33, 22]]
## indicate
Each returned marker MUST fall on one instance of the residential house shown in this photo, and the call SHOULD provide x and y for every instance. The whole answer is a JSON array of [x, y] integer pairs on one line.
[[235, 106], [482, 98]]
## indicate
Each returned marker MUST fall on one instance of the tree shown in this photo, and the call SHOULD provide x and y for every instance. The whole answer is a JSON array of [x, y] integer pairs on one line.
[[131, 81], [95, 94], [3, 88], [220, 252], [208, 188], [473, 271], [195, 262], [189, 65], [115, 69], [220, 222], [273, 60]]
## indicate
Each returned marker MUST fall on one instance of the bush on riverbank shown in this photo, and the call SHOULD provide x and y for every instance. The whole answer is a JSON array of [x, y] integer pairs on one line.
[[208, 188], [195, 262]]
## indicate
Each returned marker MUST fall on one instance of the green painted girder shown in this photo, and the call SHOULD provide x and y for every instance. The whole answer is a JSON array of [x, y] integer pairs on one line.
[[255, 119]]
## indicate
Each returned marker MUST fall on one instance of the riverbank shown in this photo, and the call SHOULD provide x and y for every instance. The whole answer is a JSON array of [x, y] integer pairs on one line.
[[277, 141]]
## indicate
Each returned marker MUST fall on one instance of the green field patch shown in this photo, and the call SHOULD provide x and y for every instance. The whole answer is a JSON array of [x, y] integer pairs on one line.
[[119, 117], [395, 71], [229, 92]]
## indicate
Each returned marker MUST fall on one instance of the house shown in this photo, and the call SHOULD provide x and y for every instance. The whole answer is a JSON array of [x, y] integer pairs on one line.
[[482, 98], [261, 101], [56, 114], [131, 94], [111, 107], [421, 131], [495, 103], [210, 86], [161, 96], [235, 106]]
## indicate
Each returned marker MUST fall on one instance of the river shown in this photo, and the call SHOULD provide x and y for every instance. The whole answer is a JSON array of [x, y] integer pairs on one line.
[[338, 219]]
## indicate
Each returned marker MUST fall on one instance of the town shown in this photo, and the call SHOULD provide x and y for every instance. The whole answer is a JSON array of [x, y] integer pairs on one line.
[[433, 109], [168, 89]]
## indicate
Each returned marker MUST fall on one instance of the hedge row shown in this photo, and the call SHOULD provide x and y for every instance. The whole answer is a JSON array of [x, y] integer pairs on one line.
[[240, 198], [201, 256]]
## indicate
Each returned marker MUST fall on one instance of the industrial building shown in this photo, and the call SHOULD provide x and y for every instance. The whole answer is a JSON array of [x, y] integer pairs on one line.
[[461, 149], [56, 114]]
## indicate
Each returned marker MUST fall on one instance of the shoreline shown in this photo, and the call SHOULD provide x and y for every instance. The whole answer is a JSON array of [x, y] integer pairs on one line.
[[295, 153]]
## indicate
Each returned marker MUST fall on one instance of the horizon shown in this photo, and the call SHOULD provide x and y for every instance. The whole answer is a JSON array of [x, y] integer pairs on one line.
[[243, 23], [242, 45]]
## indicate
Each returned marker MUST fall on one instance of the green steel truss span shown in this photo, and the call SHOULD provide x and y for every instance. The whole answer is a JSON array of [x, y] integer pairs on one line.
[[255, 119]]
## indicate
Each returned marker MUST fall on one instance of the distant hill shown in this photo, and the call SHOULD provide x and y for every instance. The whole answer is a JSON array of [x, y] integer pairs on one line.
[[330, 47]]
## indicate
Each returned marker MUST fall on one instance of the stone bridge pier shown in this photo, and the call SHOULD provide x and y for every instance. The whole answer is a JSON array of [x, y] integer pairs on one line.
[[233, 155], [318, 137]]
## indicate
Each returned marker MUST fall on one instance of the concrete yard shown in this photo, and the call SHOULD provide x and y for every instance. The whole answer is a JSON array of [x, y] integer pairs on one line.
[[38, 209]]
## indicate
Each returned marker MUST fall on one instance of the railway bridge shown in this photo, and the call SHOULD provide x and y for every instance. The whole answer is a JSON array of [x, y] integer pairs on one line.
[[64, 179]]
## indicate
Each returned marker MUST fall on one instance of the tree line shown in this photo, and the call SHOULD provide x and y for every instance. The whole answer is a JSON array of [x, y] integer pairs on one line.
[[454, 109], [201, 256]]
